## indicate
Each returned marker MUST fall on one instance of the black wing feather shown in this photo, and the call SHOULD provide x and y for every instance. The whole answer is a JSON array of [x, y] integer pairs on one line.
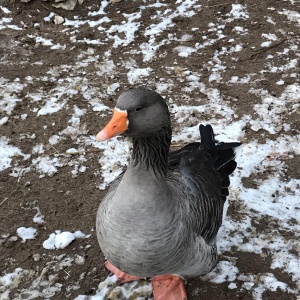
[[205, 168]]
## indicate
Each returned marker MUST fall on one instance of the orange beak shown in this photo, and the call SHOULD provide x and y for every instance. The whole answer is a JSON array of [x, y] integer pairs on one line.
[[117, 125]]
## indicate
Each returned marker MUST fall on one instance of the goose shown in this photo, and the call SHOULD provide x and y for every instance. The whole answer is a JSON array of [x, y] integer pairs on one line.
[[160, 218]]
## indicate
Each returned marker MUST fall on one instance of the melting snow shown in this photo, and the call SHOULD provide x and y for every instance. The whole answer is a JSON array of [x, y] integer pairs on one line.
[[26, 233], [7, 152], [60, 240], [38, 218], [238, 11]]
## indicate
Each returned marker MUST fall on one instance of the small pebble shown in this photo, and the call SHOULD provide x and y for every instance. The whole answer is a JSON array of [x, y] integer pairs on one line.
[[13, 238], [58, 20], [79, 260], [36, 257], [232, 286]]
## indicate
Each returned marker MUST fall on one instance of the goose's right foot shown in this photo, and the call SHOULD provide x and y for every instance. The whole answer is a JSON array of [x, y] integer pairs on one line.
[[168, 287]]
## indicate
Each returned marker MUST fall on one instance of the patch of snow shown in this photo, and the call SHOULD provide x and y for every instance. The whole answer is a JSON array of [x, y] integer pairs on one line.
[[113, 159], [49, 17], [75, 127], [43, 41], [292, 15], [271, 109], [292, 64], [26, 233], [232, 286], [46, 165], [5, 9], [3, 121], [51, 106], [54, 139], [109, 288], [266, 44], [60, 240], [185, 51], [268, 282], [136, 74], [238, 11], [7, 152], [280, 82], [38, 218], [127, 28], [104, 4], [8, 94], [270, 36], [240, 29], [38, 149], [224, 271], [4, 23], [9, 278], [111, 89]]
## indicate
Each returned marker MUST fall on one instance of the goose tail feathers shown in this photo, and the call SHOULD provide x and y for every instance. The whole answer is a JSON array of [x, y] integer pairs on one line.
[[223, 155]]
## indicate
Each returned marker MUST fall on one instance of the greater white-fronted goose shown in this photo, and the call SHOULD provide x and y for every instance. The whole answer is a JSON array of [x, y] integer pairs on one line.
[[160, 218]]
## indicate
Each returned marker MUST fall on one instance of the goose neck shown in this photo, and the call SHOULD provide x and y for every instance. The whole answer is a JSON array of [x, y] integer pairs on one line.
[[151, 152]]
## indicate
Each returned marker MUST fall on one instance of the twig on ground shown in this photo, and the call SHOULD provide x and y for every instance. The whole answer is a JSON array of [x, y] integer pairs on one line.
[[96, 276], [216, 5], [268, 48], [55, 149], [3, 201], [178, 145], [54, 279], [45, 6], [262, 50], [14, 190]]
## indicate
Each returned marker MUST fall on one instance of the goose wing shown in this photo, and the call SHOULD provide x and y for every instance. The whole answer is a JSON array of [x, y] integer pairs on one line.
[[205, 168]]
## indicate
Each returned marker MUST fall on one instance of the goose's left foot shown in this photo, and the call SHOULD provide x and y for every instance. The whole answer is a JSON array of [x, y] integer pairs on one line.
[[122, 276], [168, 287]]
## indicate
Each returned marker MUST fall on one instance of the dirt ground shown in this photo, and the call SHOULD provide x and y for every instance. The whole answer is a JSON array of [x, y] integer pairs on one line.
[[70, 202]]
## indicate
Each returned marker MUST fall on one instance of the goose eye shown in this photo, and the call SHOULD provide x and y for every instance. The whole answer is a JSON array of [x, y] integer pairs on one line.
[[138, 108]]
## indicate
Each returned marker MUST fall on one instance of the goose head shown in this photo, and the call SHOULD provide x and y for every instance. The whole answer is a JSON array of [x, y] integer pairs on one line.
[[138, 113]]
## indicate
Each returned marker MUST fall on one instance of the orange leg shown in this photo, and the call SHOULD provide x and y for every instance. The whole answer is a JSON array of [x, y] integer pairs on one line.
[[122, 276], [165, 287], [168, 287]]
